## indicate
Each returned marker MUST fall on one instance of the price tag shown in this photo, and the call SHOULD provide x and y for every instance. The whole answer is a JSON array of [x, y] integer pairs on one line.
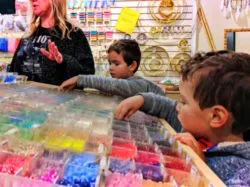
[[210, 185], [193, 170], [179, 149], [171, 140], [188, 158], [103, 162], [100, 148]]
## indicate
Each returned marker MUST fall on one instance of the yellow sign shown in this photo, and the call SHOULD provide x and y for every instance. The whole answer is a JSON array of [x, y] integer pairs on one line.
[[127, 20]]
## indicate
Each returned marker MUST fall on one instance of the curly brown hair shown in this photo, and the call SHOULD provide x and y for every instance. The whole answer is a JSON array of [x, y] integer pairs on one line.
[[222, 78]]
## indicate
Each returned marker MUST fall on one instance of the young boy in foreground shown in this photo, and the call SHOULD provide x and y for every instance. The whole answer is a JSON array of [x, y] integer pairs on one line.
[[214, 105], [124, 58]]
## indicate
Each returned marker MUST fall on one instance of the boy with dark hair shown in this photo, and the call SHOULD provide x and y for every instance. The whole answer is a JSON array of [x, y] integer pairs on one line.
[[214, 105], [124, 58]]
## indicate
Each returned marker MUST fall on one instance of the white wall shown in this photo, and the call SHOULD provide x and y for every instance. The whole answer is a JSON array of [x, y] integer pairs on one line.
[[217, 23]]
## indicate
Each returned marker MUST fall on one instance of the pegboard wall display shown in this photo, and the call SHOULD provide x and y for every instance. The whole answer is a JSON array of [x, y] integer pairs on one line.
[[165, 30]]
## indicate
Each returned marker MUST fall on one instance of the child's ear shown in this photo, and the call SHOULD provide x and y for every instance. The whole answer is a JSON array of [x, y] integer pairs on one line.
[[219, 115], [133, 66]]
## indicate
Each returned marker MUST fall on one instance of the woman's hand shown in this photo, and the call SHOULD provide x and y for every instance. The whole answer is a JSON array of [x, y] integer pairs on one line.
[[68, 84], [53, 53], [189, 140], [128, 107]]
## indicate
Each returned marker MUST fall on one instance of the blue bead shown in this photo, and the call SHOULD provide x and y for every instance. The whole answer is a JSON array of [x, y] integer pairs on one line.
[[77, 181], [63, 182]]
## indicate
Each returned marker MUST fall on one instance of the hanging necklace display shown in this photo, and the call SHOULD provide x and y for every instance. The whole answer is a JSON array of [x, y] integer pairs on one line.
[[93, 34], [109, 34], [82, 12], [106, 11], [73, 15], [90, 13], [166, 8], [178, 60], [170, 34], [98, 16], [87, 34], [154, 61], [78, 4], [127, 36], [183, 45], [226, 8], [101, 34], [98, 12], [236, 8], [165, 11], [240, 9], [82, 16], [141, 38], [70, 4]]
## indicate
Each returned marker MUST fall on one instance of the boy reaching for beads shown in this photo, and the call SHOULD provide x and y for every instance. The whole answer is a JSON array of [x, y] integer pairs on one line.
[[124, 58], [214, 105]]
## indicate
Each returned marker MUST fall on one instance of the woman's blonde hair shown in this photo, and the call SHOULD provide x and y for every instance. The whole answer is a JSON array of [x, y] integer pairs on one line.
[[59, 13]]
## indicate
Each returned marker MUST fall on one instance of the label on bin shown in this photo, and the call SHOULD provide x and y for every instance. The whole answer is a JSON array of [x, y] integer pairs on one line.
[[193, 170]]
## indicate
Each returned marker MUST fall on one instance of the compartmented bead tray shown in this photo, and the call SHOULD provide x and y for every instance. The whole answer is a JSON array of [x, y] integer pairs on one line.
[[72, 139]]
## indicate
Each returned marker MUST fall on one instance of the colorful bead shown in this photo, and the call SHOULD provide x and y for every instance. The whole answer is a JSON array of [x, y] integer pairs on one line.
[[150, 172], [121, 166], [120, 180]]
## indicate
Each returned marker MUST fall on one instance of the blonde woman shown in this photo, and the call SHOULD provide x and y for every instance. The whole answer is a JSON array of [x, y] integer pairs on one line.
[[53, 49]]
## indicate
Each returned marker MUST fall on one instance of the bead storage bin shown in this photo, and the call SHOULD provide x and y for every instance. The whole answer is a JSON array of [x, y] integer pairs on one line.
[[6, 78], [44, 169], [20, 146], [64, 138], [186, 178], [93, 147], [72, 139], [83, 169], [56, 154], [151, 160], [122, 166], [13, 164]]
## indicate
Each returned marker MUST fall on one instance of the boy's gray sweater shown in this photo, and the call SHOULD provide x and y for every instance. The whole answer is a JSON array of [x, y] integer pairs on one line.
[[122, 87], [162, 107]]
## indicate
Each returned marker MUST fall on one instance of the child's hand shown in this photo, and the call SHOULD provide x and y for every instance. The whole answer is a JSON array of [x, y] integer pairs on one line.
[[128, 107], [189, 140], [53, 53], [68, 84], [2, 67]]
